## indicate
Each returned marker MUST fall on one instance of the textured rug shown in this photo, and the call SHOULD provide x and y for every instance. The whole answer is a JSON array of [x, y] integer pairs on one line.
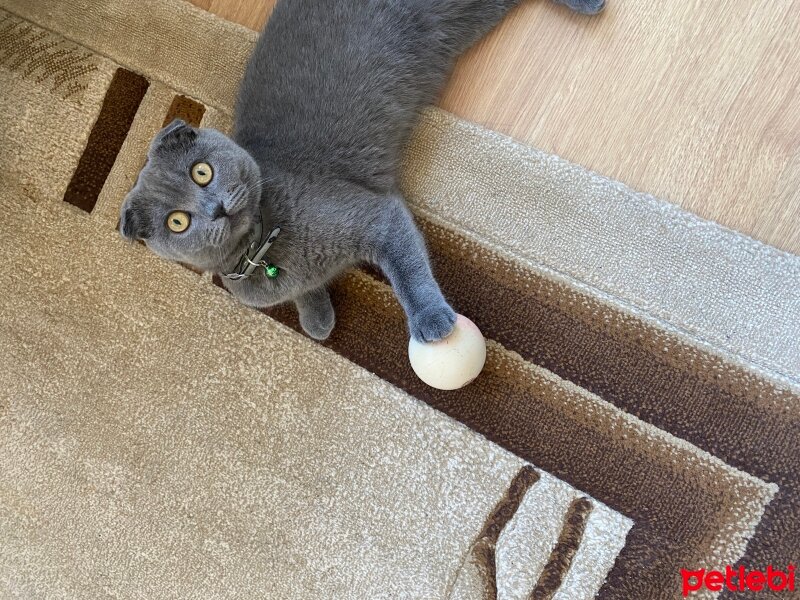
[[638, 413]]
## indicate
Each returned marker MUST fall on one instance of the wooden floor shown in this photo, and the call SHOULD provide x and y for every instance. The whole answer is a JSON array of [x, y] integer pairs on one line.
[[693, 101]]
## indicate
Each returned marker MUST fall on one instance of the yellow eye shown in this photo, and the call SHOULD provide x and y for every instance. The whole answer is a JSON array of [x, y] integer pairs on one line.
[[178, 221], [202, 174]]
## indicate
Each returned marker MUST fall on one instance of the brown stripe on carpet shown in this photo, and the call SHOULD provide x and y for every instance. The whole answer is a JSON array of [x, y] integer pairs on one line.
[[509, 504], [119, 107], [41, 56], [749, 422], [481, 559], [564, 551], [486, 553], [476, 576], [185, 108], [676, 509]]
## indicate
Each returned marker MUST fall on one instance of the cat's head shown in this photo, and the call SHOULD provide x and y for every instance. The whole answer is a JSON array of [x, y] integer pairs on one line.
[[195, 199]]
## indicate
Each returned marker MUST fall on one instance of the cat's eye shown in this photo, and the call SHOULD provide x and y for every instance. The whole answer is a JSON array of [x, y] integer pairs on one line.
[[178, 221], [202, 173]]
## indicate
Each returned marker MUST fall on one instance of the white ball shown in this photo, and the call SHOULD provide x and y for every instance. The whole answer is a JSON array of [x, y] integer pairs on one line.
[[453, 362]]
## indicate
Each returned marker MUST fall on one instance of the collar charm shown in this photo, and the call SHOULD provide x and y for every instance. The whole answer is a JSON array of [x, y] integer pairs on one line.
[[254, 255], [271, 271]]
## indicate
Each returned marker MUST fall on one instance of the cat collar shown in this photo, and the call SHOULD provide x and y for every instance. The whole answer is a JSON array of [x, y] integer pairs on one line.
[[253, 256]]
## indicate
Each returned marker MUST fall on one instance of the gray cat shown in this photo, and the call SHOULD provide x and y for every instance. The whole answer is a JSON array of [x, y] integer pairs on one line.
[[325, 107]]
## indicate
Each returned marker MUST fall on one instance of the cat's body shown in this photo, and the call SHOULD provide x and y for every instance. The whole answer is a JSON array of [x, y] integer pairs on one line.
[[325, 107]]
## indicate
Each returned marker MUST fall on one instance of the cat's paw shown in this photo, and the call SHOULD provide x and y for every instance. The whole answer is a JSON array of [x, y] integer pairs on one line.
[[318, 323], [432, 323], [587, 7]]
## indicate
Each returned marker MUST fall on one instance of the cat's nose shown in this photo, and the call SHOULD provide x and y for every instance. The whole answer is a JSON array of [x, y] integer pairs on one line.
[[218, 212]]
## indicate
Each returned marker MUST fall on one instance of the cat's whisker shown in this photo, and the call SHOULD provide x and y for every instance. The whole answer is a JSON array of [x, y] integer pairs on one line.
[[256, 184]]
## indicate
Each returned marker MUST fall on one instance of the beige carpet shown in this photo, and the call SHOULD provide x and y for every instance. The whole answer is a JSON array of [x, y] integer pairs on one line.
[[158, 440]]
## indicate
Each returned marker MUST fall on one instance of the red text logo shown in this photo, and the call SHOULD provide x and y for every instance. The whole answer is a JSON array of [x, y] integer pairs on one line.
[[738, 580]]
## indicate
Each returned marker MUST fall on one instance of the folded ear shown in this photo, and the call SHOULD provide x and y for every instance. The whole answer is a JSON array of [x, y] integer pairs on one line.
[[174, 126], [176, 133], [134, 224]]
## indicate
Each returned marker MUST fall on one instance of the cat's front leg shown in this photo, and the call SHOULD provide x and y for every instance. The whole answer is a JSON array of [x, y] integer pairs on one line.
[[259, 291], [400, 253], [587, 7], [316, 312]]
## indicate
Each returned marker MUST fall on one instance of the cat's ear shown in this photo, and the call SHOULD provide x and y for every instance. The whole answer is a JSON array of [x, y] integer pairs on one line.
[[177, 133], [134, 224], [174, 126]]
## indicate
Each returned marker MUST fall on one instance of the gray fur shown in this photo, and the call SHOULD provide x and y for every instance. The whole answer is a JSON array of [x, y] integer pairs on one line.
[[325, 107]]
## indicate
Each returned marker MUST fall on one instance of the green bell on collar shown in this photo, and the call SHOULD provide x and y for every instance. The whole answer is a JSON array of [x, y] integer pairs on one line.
[[271, 271]]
